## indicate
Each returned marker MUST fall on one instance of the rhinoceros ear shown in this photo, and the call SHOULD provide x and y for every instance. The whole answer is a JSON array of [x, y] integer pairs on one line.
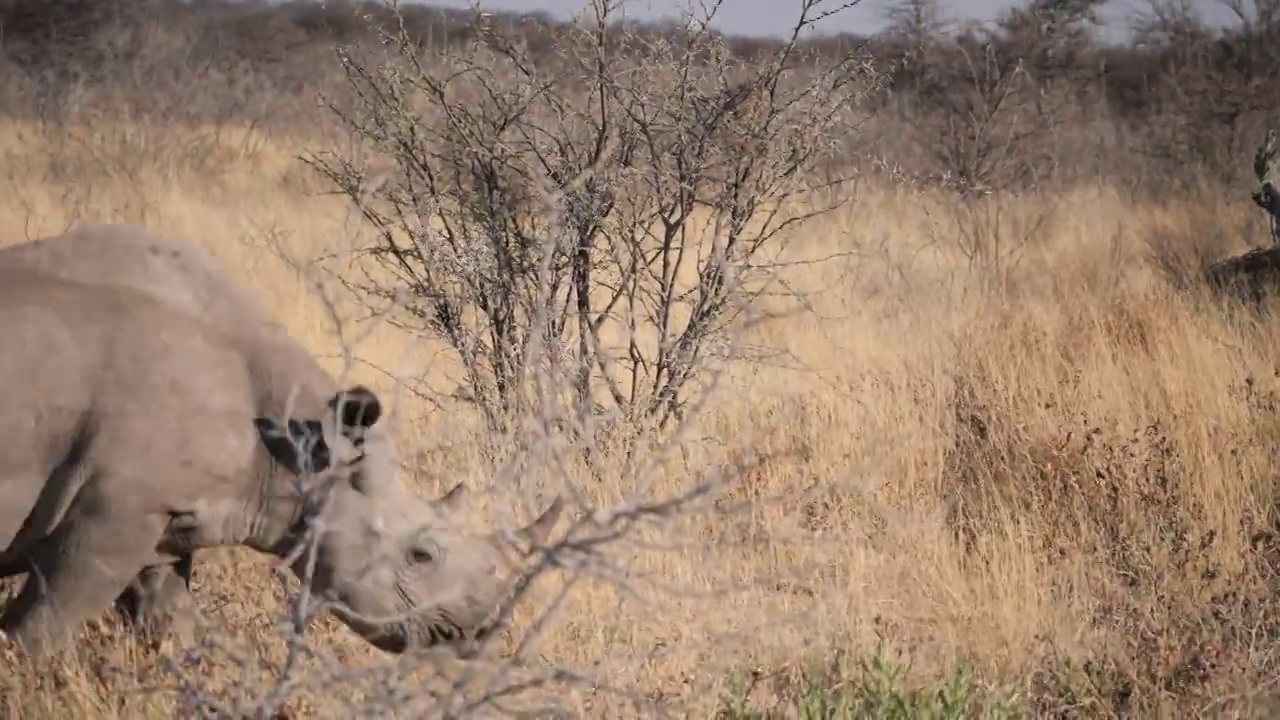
[[357, 409], [300, 448]]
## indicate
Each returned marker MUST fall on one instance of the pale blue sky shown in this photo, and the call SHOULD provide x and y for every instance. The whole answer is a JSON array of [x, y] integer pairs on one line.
[[763, 17]]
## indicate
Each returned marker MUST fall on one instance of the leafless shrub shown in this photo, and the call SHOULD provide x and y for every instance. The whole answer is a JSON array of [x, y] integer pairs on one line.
[[1212, 98], [991, 239], [1177, 108], [502, 672], [681, 169], [983, 119]]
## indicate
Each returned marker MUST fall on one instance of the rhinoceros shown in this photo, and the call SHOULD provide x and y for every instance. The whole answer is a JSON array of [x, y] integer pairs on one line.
[[133, 415], [186, 279]]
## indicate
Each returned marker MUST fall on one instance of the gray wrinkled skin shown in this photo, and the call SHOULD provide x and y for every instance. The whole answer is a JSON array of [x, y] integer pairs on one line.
[[185, 279], [131, 413]]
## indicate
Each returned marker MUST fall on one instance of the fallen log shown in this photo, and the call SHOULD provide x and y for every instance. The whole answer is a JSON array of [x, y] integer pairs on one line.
[[1256, 273], [1250, 277]]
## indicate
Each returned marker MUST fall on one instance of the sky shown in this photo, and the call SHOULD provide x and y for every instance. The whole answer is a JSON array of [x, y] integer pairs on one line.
[[768, 17]]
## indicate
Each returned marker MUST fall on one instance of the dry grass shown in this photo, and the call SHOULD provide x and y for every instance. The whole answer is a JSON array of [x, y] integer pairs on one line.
[[1065, 482]]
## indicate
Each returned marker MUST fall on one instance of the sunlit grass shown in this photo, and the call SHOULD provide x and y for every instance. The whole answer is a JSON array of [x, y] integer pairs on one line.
[[869, 402]]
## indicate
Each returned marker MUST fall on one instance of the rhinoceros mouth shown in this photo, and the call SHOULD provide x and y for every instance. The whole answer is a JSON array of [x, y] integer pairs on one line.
[[442, 633], [392, 642], [403, 638]]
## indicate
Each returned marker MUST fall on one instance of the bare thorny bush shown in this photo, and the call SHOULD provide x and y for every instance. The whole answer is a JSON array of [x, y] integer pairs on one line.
[[991, 133], [501, 673], [529, 211], [984, 117], [681, 166]]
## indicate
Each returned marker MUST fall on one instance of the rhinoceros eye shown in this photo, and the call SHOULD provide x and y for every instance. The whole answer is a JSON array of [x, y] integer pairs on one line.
[[420, 556]]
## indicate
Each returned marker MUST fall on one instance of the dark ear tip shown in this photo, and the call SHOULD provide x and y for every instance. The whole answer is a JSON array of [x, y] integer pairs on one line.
[[360, 406], [298, 446], [359, 392]]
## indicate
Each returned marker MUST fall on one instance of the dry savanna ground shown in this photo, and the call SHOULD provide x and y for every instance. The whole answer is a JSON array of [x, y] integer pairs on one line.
[[1039, 480]]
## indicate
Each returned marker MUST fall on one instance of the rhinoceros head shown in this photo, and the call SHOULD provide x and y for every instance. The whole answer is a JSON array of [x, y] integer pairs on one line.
[[405, 572]]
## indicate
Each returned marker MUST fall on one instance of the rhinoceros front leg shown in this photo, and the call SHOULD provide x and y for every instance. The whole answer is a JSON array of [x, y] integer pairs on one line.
[[88, 562], [159, 602], [156, 603]]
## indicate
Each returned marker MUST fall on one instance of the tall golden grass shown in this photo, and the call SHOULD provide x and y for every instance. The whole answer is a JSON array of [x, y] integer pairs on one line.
[[1053, 467]]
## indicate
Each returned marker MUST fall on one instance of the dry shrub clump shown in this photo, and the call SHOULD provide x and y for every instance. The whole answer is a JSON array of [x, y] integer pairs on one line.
[[880, 446]]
